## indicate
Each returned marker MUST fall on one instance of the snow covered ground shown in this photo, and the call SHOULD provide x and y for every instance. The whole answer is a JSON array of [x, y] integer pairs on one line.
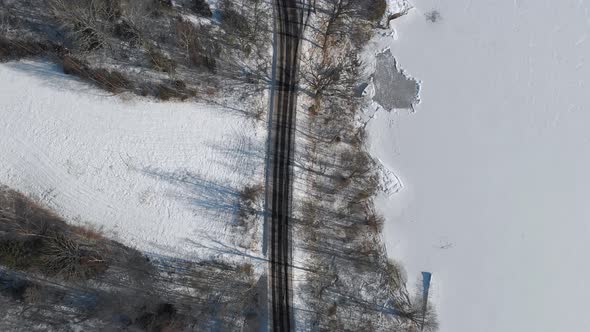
[[158, 176], [494, 161]]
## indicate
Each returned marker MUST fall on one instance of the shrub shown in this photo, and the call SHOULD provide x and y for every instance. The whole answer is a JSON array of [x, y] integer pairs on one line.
[[179, 85], [251, 193], [163, 318], [88, 22], [124, 31], [199, 48], [246, 269], [166, 93], [173, 90], [249, 198], [201, 7], [13, 286], [375, 10], [63, 255], [34, 239], [232, 20], [89, 38], [237, 25], [159, 7], [360, 35], [375, 222], [109, 80], [333, 309], [33, 294], [210, 63], [112, 9], [211, 91], [73, 66], [14, 254], [395, 274], [164, 3], [17, 49], [161, 62], [59, 254]]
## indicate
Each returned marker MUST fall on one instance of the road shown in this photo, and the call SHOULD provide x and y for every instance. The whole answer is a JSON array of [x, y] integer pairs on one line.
[[281, 149]]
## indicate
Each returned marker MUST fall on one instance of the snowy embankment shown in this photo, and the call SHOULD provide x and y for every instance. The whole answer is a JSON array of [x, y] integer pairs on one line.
[[162, 177], [494, 161]]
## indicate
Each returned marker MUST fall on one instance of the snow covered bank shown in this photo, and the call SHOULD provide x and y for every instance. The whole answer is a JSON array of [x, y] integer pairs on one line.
[[494, 162], [157, 176]]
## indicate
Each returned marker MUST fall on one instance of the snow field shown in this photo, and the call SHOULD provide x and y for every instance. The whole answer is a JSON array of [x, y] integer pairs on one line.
[[158, 176]]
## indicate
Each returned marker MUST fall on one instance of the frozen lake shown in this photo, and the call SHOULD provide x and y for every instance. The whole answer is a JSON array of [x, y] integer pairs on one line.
[[495, 162]]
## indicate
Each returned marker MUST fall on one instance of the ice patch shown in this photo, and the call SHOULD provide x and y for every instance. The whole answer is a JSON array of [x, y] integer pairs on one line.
[[393, 88]]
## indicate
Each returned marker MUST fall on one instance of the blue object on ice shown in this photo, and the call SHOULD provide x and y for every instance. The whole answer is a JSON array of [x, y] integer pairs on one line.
[[426, 276]]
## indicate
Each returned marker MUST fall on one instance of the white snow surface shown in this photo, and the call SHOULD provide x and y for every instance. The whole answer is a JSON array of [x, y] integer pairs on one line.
[[495, 162], [158, 176]]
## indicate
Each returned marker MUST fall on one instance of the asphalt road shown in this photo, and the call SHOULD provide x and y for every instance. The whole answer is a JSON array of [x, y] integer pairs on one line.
[[280, 172]]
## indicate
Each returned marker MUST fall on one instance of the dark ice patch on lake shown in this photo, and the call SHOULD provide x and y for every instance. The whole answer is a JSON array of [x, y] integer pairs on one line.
[[393, 89]]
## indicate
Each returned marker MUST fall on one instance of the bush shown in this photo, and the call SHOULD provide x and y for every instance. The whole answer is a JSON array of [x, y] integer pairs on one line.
[[236, 24], [18, 49], [360, 35], [163, 318], [251, 193], [375, 10], [73, 66], [161, 62], [109, 80], [89, 38], [232, 20], [33, 294], [63, 255], [58, 254], [375, 222], [164, 3], [159, 7], [14, 254], [34, 239], [112, 9], [166, 93], [200, 51], [201, 7], [173, 90], [13, 286], [87, 22], [124, 31], [246, 269], [249, 198]]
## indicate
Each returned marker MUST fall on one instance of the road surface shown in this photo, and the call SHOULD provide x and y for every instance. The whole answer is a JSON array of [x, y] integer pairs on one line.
[[280, 167]]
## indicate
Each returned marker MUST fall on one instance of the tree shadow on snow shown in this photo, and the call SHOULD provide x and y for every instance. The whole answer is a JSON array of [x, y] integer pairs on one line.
[[240, 154], [52, 75], [204, 196]]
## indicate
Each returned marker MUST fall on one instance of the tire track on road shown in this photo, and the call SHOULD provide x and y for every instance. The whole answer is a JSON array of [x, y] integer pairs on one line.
[[281, 150]]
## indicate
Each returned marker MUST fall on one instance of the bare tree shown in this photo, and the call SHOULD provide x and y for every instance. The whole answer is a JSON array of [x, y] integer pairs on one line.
[[87, 20], [338, 12]]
